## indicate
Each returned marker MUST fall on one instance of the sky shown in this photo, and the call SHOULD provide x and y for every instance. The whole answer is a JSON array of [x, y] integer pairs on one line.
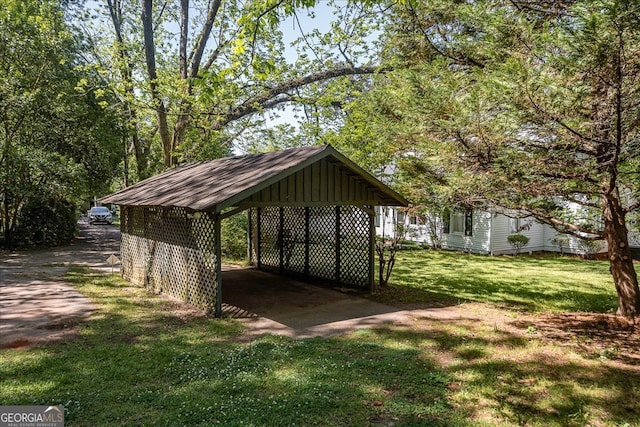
[[295, 27]]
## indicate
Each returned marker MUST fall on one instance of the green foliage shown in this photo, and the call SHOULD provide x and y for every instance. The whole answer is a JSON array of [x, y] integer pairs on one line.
[[590, 247], [532, 109], [217, 87], [489, 102], [234, 237], [517, 241], [46, 221], [56, 142], [562, 242]]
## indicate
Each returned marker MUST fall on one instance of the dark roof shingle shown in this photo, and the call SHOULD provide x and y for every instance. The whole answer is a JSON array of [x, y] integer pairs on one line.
[[210, 184]]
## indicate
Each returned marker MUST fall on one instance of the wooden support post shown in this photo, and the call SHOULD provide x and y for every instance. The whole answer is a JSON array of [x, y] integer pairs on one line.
[[249, 237], [372, 247], [217, 226], [307, 239], [259, 238], [281, 239]]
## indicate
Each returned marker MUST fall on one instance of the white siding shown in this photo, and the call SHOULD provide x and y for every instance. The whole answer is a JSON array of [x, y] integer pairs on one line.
[[478, 242], [503, 226], [572, 248], [490, 231]]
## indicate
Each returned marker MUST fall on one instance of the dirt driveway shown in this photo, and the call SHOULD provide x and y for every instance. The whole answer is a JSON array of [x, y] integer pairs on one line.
[[36, 305]]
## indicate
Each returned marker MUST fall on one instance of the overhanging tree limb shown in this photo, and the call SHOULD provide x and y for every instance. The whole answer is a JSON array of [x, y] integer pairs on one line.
[[203, 38], [263, 100]]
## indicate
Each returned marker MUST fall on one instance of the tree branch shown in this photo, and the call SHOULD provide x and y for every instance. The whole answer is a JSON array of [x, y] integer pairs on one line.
[[150, 55], [203, 38], [268, 98], [562, 124], [633, 207], [184, 37]]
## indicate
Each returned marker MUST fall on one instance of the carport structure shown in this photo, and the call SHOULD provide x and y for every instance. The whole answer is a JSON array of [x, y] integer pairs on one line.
[[311, 214]]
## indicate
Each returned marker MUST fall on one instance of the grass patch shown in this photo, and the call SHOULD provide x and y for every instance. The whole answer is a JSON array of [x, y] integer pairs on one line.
[[141, 360], [528, 282], [502, 378]]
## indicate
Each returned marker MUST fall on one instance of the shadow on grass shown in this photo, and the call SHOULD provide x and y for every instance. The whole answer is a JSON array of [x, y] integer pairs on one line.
[[143, 360], [529, 283], [501, 378]]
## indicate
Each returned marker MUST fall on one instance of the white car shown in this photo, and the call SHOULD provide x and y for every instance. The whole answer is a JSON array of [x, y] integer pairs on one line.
[[99, 214]]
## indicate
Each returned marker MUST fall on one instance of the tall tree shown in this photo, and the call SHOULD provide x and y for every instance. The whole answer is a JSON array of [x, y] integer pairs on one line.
[[210, 69], [56, 142], [525, 105]]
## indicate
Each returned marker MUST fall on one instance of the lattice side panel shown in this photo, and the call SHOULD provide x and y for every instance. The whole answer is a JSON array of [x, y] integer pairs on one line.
[[172, 252], [134, 250], [354, 247], [134, 253], [322, 242], [269, 232], [156, 263], [204, 292], [293, 239]]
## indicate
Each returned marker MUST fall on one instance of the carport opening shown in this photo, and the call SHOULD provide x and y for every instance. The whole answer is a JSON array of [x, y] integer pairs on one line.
[[325, 246], [234, 240]]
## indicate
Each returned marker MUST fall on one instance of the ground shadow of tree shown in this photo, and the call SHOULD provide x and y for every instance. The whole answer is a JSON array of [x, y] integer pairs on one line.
[[505, 378]]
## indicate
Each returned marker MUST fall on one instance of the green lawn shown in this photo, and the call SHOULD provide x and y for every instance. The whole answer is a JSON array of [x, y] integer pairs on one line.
[[531, 283], [142, 360]]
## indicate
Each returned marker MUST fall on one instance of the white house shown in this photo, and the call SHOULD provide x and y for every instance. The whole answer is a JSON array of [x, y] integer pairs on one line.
[[482, 232]]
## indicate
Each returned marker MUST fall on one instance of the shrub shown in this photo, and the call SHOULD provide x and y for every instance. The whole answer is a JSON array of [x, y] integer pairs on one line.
[[518, 241], [562, 242], [590, 247], [46, 222]]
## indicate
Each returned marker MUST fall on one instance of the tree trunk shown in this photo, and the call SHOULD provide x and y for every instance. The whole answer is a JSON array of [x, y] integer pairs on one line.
[[621, 263], [158, 104], [126, 72]]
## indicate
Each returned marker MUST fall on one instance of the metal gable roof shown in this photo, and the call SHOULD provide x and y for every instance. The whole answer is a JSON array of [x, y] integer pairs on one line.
[[218, 184]]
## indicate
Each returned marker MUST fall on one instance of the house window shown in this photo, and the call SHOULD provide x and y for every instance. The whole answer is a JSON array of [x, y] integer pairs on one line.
[[446, 221], [413, 220], [457, 222], [514, 225], [461, 222], [400, 218]]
